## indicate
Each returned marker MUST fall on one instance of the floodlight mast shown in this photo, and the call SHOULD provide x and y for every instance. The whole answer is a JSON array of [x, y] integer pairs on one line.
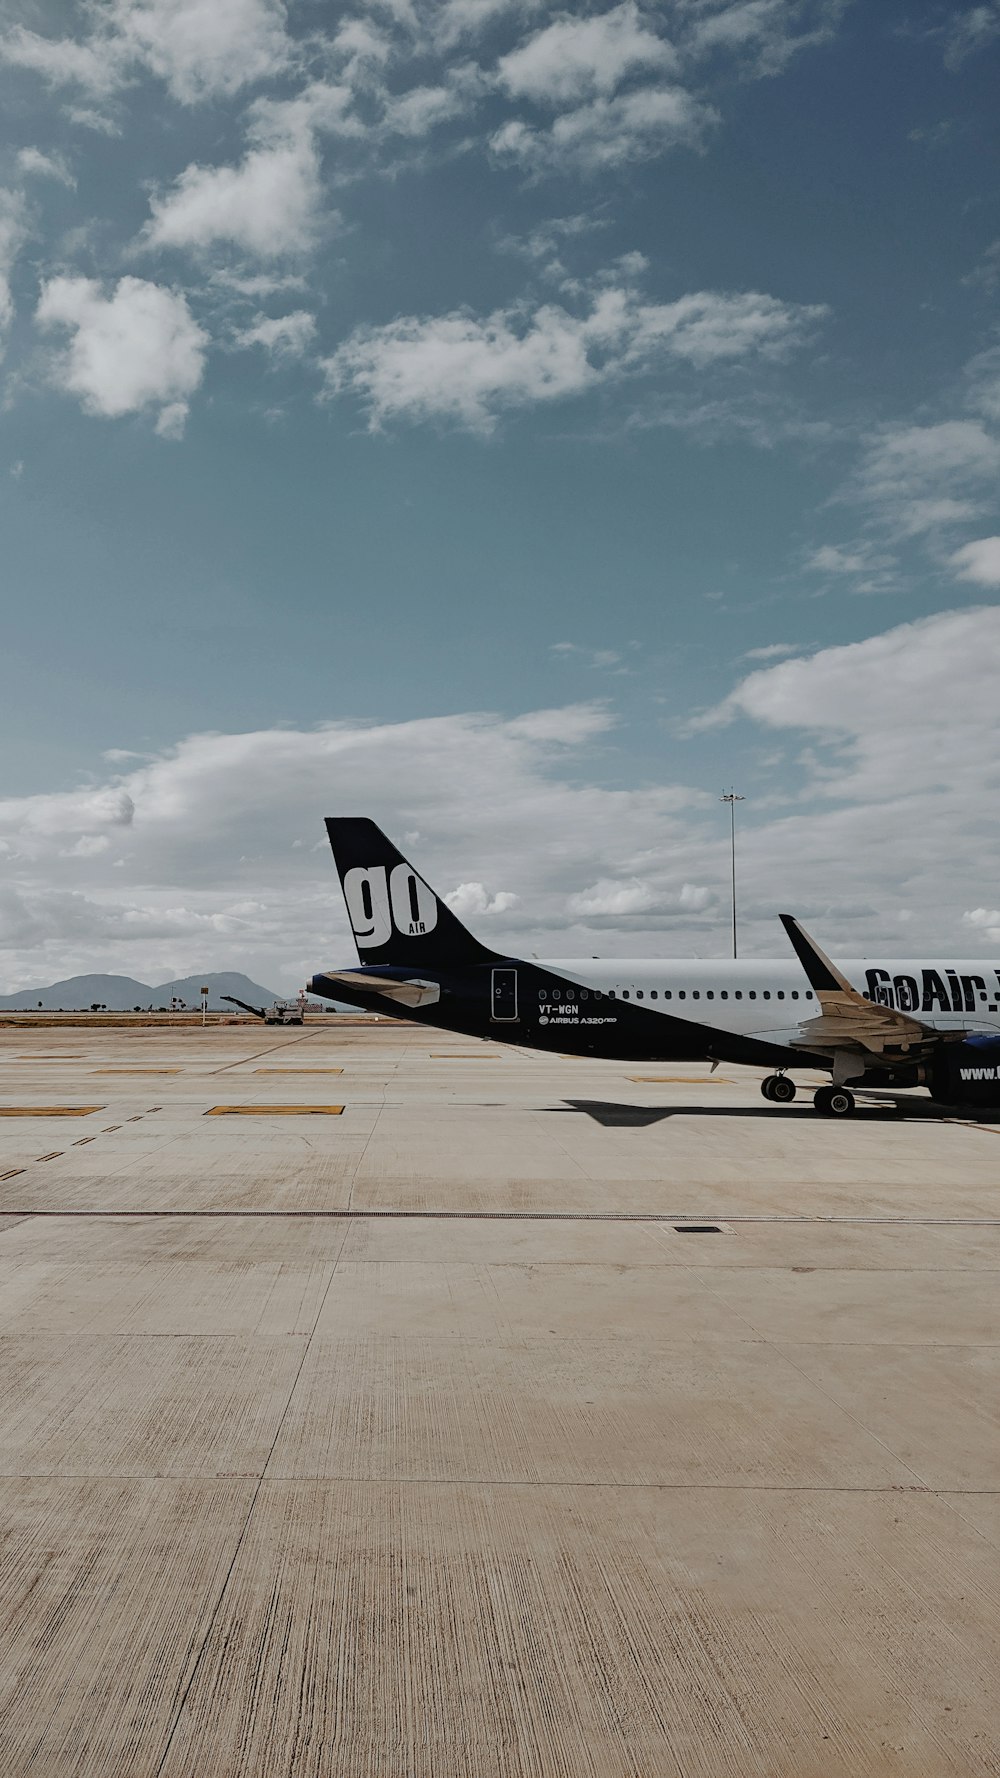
[[732, 799]]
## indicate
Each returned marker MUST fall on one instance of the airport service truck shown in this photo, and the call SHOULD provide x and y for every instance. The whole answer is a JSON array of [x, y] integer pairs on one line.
[[280, 1012]]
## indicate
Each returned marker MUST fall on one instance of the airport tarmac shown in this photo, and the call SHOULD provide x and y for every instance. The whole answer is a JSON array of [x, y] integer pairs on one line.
[[428, 1438]]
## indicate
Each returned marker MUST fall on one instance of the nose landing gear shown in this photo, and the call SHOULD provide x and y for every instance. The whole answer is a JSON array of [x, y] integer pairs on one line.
[[778, 1088]]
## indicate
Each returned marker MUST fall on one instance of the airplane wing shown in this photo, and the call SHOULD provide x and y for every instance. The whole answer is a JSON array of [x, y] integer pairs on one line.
[[847, 1021]]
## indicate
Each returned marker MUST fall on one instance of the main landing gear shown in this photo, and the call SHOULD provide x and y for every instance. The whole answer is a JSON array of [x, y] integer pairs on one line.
[[833, 1101], [778, 1088]]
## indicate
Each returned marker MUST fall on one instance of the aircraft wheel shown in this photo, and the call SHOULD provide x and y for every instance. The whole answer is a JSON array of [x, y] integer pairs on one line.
[[834, 1102], [782, 1089], [768, 1084]]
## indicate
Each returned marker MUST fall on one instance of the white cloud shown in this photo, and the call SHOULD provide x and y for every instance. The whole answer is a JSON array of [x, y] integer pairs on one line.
[[979, 561], [772, 651], [271, 203], [607, 133], [920, 478], [38, 165], [138, 348], [612, 898], [765, 33], [284, 336], [575, 58], [13, 233], [471, 900], [467, 369], [268, 205], [96, 67], [200, 49], [971, 30]]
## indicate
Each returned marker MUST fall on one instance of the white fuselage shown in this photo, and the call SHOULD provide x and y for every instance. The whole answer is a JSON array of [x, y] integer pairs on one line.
[[771, 1000]]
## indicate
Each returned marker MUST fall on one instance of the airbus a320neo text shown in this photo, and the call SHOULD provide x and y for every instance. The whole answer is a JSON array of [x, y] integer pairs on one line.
[[933, 1023]]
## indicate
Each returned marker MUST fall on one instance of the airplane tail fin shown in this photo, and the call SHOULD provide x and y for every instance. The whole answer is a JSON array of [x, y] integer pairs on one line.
[[395, 916]]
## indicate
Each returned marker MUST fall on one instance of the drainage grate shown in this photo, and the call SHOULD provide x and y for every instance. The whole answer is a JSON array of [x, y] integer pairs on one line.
[[697, 1228]]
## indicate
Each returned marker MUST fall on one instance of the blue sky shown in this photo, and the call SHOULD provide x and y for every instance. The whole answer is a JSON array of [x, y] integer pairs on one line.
[[407, 370]]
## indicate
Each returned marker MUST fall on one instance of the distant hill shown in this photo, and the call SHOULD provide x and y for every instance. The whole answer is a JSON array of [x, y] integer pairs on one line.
[[120, 993]]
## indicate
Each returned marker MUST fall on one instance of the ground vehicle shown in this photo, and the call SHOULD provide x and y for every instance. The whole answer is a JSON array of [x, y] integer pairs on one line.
[[280, 1012]]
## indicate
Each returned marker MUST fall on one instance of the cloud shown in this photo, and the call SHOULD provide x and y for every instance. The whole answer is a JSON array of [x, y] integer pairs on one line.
[[199, 50], [614, 899], [203, 50], [38, 165], [576, 58], [207, 827], [979, 561], [13, 233], [284, 336], [607, 133], [970, 31], [921, 478], [138, 348], [766, 33], [268, 205], [772, 651], [471, 900], [271, 203], [468, 369]]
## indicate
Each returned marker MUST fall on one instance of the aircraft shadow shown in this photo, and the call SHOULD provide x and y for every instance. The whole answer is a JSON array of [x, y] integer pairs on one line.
[[614, 1116]]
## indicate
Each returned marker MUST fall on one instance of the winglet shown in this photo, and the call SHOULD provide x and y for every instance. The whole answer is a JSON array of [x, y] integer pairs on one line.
[[820, 972]]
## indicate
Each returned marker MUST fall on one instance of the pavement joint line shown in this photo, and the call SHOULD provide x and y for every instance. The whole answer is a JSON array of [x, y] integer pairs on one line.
[[603, 1216]]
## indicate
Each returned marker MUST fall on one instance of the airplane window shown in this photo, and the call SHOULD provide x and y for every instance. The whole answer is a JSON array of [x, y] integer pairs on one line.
[[809, 993], [543, 994], [653, 995], [781, 993], [737, 993], [681, 994], [709, 994], [597, 994], [795, 993], [638, 993], [696, 993], [557, 993], [723, 993], [767, 993], [751, 994], [583, 993], [624, 993], [667, 993]]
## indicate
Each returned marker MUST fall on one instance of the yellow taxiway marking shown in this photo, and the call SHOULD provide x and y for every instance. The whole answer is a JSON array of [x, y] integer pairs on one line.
[[274, 1111], [298, 1071], [48, 1110], [681, 1080], [465, 1055], [54, 1156], [12, 1173], [137, 1071]]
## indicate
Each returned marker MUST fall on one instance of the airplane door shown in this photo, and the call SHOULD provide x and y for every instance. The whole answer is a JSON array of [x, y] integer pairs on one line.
[[504, 996]]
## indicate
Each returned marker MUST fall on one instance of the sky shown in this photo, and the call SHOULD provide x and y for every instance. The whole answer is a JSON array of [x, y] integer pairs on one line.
[[518, 423]]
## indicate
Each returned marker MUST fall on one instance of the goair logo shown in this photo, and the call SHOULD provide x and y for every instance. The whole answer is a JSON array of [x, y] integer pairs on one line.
[[379, 901], [937, 990]]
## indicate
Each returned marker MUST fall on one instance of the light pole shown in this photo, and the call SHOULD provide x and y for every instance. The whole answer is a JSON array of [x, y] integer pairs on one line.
[[732, 799]]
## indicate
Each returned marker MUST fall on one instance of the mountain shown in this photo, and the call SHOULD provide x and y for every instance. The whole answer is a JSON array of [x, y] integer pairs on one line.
[[120, 993]]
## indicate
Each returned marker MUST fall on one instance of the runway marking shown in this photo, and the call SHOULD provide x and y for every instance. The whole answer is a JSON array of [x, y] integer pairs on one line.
[[352, 1215], [48, 1110], [54, 1156], [274, 1111], [298, 1071], [13, 1173], [137, 1071], [681, 1080]]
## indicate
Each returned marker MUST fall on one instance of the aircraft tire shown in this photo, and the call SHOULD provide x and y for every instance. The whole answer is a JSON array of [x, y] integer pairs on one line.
[[767, 1085], [782, 1089], [834, 1101]]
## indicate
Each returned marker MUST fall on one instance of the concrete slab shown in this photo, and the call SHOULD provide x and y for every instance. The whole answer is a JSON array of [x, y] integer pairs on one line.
[[509, 1632], [502, 1481]]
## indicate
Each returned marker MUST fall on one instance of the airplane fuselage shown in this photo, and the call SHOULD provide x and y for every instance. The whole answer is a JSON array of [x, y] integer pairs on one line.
[[680, 1010]]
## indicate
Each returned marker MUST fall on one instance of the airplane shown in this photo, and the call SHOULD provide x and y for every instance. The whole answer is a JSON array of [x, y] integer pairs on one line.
[[869, 1025]]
